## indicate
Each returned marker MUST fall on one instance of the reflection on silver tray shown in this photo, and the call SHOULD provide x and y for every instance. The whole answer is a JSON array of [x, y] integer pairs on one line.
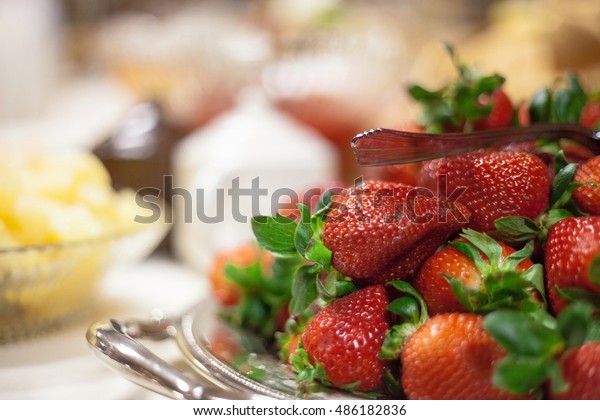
[[233, 364]]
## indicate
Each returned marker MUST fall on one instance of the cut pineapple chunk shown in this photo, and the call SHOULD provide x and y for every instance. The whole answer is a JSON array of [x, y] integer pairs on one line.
[[60, 196]]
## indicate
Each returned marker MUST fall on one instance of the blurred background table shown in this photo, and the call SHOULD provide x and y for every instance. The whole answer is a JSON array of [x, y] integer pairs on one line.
[[133, 80], [59, 364]]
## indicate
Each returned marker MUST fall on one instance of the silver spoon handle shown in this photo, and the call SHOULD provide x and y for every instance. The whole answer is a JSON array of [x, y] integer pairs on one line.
[[383, 146], [113, 341]]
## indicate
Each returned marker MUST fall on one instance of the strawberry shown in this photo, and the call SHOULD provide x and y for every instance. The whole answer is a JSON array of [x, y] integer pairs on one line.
[[343, 340], [493, 184], [310, 198], [225, 345], [523, 117], [451, 356], [587, 197], [408, 264], [471, 102], [476, 273], [517, 230], [253, 288], [580, 371], [376, 224], [590, 115], [225, 290], [573, 260], [501, 113]]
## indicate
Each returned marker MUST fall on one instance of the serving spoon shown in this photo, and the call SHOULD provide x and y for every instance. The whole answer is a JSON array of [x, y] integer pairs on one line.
[[384, 146], [118, 343]]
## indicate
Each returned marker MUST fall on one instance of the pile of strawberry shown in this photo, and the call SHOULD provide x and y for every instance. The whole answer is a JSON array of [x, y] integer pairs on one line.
[[479, 280]]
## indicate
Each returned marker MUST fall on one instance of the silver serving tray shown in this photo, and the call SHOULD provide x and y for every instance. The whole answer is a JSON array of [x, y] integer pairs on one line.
[[253, 372]]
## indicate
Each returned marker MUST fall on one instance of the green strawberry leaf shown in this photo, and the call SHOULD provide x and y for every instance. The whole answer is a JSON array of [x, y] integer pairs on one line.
[[533, 342], [578, 294], [310, 378], [523, 375], [559, 161], [535, 276], [327, 286], [552, 217], [407, 289], [275, 234], [248, 277], [393, 384], [574, 322], [533, 358], [411, 309], [489, 84], [560, 105], [457, 104], [471, 253], [334, 286], [470, 299], [344, 287], [304, 289], [541, 105], [561, 183], [326, 202], [421, 94], [263, 296], [503, 285], [307, 238], [304, 232], [484, 243], [394, 340], [513, 260], [318, 253], [520, 334], [515, 230], [568, 102], [407, 309], [593, 333]]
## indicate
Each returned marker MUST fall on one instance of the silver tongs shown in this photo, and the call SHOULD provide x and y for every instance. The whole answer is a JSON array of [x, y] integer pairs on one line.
[[384, 146], [116, 343]]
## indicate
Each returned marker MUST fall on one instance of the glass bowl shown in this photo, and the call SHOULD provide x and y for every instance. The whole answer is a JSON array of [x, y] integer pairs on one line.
[[44, 287]]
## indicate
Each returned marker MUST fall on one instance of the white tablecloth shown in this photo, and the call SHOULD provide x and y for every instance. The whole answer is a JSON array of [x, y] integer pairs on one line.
[[60, 365]]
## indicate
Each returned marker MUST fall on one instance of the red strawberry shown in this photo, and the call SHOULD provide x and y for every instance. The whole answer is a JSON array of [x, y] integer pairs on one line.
[[590, 115], [587, 197], [451, 356], [471, 102], [374, 225], [408, 265], [501, 114], [476, 266], [310, 198], [225, 344], [573, 258], [581, 371], [345, 338], [523, 116], [226, 291], [494, 184]]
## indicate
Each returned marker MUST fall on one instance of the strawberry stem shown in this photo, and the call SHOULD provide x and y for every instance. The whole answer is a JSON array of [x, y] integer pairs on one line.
[[503, 285], [411, 312]]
